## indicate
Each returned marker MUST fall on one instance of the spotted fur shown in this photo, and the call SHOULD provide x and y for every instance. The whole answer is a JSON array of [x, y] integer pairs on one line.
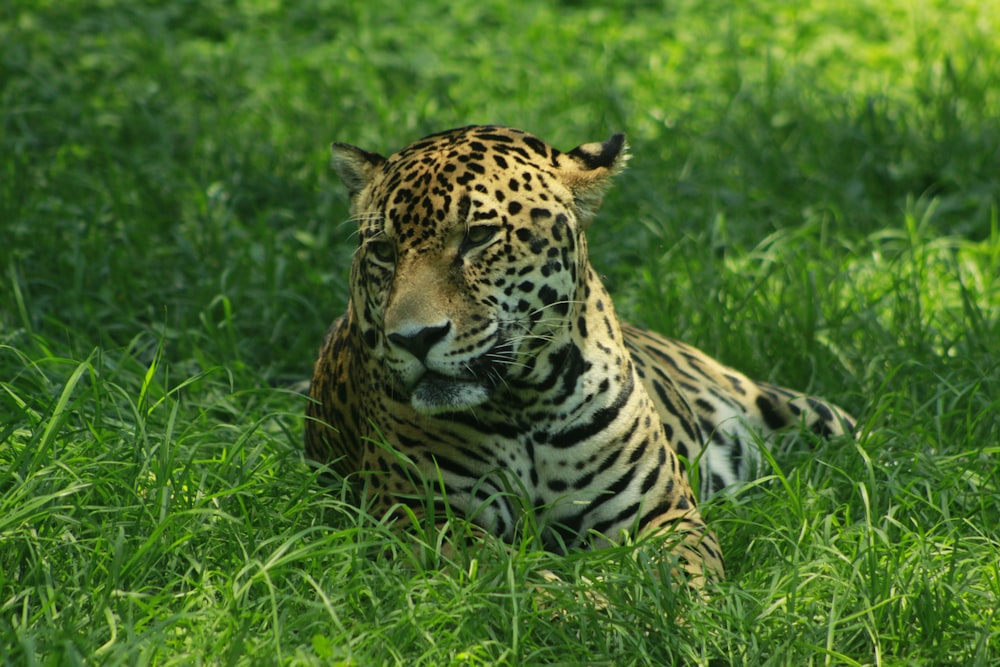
[[480, 352]]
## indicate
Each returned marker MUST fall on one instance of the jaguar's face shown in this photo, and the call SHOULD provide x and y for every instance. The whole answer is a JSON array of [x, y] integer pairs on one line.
[[470, 259]]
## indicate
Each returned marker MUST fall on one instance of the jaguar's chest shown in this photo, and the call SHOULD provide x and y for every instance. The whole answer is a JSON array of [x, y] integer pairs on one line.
[[502, 476]]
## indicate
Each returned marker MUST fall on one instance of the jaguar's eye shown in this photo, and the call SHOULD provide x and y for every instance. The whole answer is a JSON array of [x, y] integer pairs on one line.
[[382, 250], [479, 235]]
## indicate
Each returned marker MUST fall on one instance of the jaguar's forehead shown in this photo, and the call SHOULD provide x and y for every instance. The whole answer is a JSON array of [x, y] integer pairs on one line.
[[478, 141], [463, 176]]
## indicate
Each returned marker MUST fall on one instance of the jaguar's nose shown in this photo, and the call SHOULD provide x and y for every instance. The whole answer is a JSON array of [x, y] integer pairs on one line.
[[419, 342]]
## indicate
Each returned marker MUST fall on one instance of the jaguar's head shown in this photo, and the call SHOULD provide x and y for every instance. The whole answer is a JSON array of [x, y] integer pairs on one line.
[[471, 258]]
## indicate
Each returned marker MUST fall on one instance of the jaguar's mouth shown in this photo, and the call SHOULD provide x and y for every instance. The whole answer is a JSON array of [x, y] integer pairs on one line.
[[435, 393]]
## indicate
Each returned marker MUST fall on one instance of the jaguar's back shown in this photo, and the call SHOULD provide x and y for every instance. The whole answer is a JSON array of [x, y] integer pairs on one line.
[[731, 414]]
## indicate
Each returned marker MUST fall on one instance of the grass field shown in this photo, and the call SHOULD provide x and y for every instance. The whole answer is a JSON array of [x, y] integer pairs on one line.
[[813, 198]]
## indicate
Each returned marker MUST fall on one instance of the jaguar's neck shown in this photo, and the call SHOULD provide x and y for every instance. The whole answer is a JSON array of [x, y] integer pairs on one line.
[[587, 358]]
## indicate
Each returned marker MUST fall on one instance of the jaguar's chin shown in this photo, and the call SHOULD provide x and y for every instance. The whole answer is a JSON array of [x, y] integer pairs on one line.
[[435, 393]]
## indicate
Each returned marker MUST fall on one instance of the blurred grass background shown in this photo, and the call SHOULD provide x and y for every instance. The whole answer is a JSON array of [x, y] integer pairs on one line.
[[813, 198]]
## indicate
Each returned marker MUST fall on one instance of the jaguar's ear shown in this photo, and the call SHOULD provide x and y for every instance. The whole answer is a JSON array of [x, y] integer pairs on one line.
[[354, 166], [590, 170]]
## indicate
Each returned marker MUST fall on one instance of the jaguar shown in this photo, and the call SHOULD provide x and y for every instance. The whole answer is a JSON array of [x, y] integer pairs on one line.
[[480, 363]]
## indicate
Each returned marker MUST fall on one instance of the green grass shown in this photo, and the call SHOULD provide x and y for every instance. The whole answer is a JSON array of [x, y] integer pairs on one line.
[[813, 198]]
